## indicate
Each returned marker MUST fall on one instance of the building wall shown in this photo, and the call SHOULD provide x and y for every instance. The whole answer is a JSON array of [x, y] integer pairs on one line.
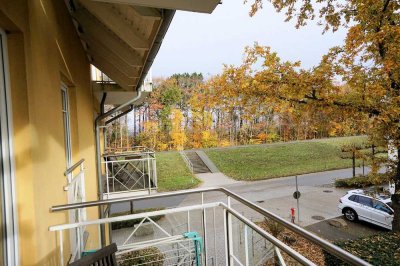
[[44, 50]]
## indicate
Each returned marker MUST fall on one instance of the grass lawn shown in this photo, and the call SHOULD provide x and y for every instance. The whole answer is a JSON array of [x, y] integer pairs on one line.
[[281, 159], [172, 173]]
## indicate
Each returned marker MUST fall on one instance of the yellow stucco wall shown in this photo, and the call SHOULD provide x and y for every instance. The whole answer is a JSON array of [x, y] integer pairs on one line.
[[44, 50]]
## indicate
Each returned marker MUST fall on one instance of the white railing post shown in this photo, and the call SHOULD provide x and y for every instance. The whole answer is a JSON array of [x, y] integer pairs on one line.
[[204, 230], [215, 240], [148, 172], [107, 181], [246, 246], [227, 252], [61, 247], [155, 172], [230, 240]]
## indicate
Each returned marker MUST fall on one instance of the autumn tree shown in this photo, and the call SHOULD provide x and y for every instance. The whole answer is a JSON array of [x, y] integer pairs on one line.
[[368, 63], [178, 136]]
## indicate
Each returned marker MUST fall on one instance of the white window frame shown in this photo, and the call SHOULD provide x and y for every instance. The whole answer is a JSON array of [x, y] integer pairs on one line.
[[7, 165], [67, 124]]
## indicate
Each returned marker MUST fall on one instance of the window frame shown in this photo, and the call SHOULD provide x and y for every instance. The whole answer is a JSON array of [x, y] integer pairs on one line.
[[7, 165], [66, 124]]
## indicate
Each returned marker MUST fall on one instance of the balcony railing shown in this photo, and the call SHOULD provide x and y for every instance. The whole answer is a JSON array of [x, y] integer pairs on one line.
[[131, 170], [76, 194], [205, 228]]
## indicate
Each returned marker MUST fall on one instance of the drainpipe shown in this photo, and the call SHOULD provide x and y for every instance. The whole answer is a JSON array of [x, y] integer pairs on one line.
[[167, 16], [103, 100], [120, 115], [98, 154]]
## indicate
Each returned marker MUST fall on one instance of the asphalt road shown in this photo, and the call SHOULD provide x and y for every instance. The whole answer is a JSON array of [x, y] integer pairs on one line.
[[318, 196]]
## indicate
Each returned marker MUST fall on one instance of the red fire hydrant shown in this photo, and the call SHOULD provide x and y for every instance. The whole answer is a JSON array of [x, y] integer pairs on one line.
[[292, 214]]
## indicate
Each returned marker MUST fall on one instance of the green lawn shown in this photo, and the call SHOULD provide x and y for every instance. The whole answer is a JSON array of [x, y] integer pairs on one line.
[[172, 173], [281, 159]]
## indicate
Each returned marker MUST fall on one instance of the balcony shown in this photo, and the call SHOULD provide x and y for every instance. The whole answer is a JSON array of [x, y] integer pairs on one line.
[[193, 227], [129, 172]]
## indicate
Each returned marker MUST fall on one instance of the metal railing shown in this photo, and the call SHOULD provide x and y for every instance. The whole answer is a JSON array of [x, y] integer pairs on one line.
[[234, 253], [130, 171], [76, 194], [187, 161]]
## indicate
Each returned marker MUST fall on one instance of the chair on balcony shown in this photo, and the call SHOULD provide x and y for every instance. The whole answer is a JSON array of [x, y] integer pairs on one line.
[[104, 257]]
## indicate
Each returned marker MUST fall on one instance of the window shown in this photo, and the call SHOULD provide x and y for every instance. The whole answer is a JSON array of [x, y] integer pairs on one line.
[[381, 206], [353, 198], [365, 201], [8, 219], [67, 128]]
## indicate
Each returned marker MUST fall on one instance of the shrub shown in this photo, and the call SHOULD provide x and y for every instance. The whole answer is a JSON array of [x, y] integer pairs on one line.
[[151, 256], [275, 228], [381, 249], [363, 181]]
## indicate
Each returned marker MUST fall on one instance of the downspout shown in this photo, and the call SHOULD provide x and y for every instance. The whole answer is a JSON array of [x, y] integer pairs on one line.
[[167, 16], [103, 100], [120, 115]]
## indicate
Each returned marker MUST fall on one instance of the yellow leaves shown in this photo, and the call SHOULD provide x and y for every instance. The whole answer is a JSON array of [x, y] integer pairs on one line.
[[151, 126], [354, 39], [262, 137], [178, 135]]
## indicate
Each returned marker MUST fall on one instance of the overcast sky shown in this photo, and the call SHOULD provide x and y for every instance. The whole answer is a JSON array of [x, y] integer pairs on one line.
[[203, 42]]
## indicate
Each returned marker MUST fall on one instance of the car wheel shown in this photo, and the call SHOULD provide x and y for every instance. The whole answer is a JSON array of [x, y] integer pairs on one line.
[[350, 215]]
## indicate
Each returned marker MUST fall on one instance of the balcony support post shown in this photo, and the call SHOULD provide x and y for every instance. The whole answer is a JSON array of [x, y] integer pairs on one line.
[[148, 172], [204, 230], [61, 247], [229, 234], [246, 245], [215, 261]]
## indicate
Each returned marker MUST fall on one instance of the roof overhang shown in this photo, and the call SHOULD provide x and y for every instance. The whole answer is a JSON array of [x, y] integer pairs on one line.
[[202, 6], [122, 37]]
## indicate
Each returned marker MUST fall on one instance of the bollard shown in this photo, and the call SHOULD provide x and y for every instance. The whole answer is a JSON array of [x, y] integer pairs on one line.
[[292, 214]]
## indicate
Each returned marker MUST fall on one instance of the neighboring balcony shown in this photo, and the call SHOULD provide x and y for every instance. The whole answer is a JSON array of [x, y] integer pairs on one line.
[[211, 226], [131, 172]]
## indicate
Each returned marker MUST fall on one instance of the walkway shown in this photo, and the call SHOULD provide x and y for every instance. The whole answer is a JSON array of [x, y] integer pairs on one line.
[[215, 180]]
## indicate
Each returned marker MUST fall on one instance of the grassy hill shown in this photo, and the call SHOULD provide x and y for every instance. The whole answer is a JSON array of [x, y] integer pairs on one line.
[[172, 173], [281, 159]]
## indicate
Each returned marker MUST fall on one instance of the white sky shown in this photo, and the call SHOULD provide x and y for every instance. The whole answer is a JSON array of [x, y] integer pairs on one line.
[[204, 42]]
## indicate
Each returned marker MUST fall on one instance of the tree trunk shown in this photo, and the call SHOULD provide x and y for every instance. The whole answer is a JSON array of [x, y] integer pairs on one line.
[[396, 196], [354, 163]]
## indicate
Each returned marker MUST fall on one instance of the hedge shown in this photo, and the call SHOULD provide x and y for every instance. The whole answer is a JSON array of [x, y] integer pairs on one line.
[[381, 249], [362, 181]]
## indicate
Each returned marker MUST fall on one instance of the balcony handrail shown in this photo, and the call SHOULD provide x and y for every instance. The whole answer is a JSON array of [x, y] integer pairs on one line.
[[132, 216], [276, 242], [329, 247], [126, 160], [72, 168], [128, 151]]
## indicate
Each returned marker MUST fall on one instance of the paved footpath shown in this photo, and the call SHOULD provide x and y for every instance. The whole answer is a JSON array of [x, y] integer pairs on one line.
[[215, 180]]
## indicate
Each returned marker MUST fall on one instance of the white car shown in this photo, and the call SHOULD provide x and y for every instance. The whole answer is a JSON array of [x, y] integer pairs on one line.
[[356, 205]]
